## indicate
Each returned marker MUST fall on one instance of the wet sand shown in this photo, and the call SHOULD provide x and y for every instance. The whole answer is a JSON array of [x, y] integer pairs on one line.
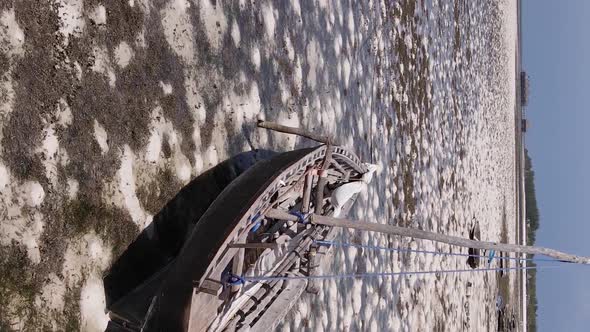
[[107, 108]]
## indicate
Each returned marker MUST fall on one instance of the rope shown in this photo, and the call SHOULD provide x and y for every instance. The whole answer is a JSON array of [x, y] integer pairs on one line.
[[340, 244], [254, 219], [230, 279], [383, 274], [300, 216], [491, 256]]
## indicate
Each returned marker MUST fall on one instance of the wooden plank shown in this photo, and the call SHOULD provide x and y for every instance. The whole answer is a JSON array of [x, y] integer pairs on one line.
[[203, 311], [238, 260], [284, 266], [237, 267], [232, 325], [295, 131], [346, 176], [307, 192], [279, 214], [229, 253], [279, 308], [253, 245], [319, 195], [449, 239], [313, 285], [293, 190], [262, 301], [243, 301], [426, 235], [218, 268], [323, 252], [219, 226], [226, 317], [210, 286], [338, 166]]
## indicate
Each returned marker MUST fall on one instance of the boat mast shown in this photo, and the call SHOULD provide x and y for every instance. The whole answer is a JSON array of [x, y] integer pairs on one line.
[[405, 231], [426, 235]]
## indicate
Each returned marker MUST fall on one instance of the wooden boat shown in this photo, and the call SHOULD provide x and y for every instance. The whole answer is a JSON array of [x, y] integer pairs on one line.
[[233, 237], [255, 229]]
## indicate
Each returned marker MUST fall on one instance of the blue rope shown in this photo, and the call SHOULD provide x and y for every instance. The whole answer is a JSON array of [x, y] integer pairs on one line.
[[339, 244], [384, 274], [300, 216], [231, 279], [256, 226], [491, 256], [255, 217]]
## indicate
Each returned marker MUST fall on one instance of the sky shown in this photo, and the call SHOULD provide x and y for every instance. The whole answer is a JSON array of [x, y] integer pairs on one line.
[[556, 55]]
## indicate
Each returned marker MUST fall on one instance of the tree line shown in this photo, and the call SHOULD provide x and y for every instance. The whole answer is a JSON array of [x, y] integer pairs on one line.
[[532, 220]]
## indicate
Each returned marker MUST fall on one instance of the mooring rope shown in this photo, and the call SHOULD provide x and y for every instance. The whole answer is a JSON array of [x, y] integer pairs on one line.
[[430, 252], [245, 279]]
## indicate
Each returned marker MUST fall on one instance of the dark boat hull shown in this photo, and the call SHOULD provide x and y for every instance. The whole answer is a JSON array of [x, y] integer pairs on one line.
[[171, 311], [135, 277]]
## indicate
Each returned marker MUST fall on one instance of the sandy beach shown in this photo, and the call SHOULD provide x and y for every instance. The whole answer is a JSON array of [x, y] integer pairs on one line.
[[108, 107]]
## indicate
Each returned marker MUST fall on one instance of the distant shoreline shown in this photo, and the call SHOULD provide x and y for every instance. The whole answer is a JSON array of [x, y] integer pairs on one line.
[[520, 146]]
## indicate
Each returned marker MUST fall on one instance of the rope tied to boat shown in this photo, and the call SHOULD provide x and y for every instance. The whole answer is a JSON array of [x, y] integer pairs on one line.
[[257, 225], [490, 256], [385, 274], [230, 279], [301, 217]]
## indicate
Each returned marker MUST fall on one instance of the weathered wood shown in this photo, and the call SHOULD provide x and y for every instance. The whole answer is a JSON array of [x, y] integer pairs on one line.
[[305, 201], [224, 220], [253, 245], [313, 286], [237, 267], [244, 301], [279, 214], [252, 296], [293, 191], [210, 286], [260, 306], [203, 311], [204, 252], [238, 260], [229, 254], [254, 302], [222, 263], [335, 173], [232, 326], [346, 177], [228, 315], [338, 166], [280, 306], [322, 180], [295, 131], [426, 235], [449, 239]]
